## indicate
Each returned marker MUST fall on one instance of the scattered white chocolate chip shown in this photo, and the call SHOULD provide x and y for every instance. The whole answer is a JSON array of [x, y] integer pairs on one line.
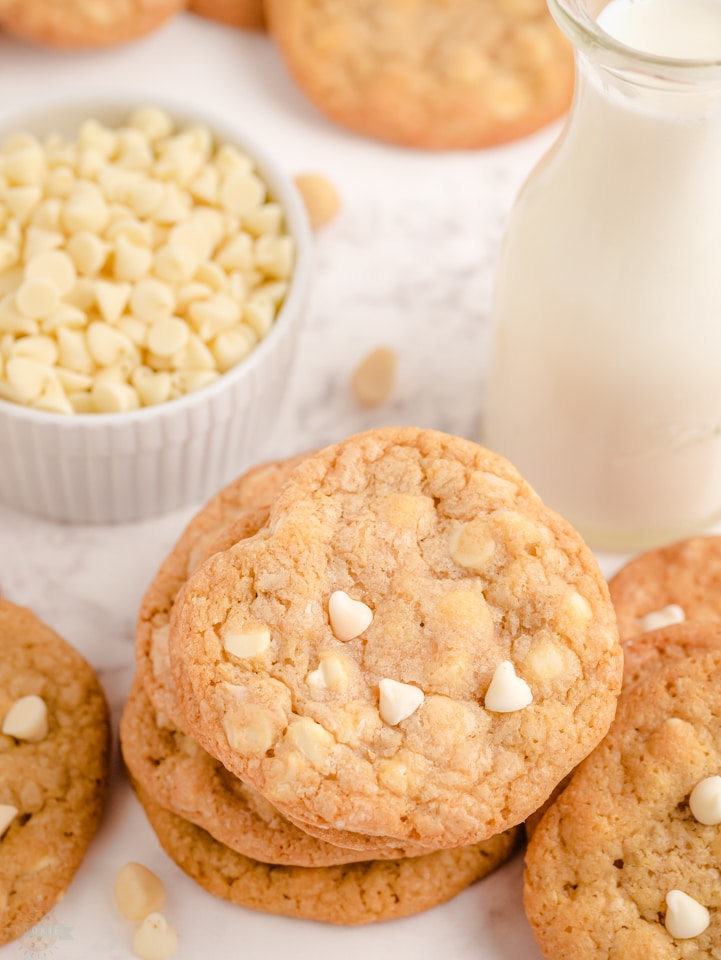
[[507, 692], [27, 719], [705, 801], [374, 377], [398, 701], [665, 617], [320, 198], [348, 617], [250, 640], [138, 891], [155, 939], [685, 917], [7, 814]]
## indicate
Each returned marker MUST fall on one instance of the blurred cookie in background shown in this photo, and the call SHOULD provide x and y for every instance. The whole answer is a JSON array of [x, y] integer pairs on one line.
[[440, 74], [76, 24], [245, 14]]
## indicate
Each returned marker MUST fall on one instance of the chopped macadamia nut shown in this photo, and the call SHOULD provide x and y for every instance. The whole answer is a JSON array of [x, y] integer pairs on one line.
[[147, 247], [138, 892]]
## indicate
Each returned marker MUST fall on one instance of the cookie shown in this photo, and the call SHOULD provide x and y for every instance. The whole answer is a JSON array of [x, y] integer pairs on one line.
[[246, 14], [85, 23], [440, 74], [245, 503], [472, 663], [53, 768], [174, 772], [642, 656], [685, 575], [353, 894], [611, 863]]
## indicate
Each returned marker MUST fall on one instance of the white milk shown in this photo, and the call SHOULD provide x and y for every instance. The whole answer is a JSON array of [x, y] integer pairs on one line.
[[605, 381]]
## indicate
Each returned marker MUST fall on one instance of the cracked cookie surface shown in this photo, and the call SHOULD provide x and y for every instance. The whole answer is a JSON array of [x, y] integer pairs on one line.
[[356, 893], [621, 836], [463, 568], [57, 785], [441, 74]]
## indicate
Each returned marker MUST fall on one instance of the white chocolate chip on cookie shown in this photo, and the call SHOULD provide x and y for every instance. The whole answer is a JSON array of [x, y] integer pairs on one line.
[[27, 719], [507, 692], [331, 674], [472, 546], [155, 939], [705, 801], [685, 917], [250, 640], [313, 740], [138, 891], [398, 701], [348, 618], [665, 617], [7, 814]]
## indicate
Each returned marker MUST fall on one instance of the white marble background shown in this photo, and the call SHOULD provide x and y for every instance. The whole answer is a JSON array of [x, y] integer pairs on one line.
[[408, 263]]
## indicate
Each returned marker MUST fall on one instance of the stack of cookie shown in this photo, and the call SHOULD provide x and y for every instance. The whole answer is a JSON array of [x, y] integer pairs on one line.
[[359, 670], [624, 863]]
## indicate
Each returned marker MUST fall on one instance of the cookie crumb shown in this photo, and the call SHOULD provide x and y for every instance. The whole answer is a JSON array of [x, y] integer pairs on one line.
[[138, 891], [320, 198], [374, 378]]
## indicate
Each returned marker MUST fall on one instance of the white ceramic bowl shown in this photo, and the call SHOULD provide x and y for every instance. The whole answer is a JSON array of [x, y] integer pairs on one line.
[[109, 468]]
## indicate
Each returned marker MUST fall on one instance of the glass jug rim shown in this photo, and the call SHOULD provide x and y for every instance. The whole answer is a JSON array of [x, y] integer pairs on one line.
[[580, 26]]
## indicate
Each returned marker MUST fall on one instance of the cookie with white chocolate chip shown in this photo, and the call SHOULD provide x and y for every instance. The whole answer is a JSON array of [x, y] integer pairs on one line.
[[176, 773], [431, 73], [624, 864], [456, 572], [54, 758], [240, 508], [670, 584], [351, 894]]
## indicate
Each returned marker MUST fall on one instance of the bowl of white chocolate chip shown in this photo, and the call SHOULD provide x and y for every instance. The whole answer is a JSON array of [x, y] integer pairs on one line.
[[154, 266]]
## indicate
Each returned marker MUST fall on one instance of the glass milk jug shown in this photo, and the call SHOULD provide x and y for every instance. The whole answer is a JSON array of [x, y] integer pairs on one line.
[[605, 373]]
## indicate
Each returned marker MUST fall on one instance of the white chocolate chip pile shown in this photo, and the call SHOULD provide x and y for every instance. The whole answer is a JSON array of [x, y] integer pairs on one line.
[[137, 264]]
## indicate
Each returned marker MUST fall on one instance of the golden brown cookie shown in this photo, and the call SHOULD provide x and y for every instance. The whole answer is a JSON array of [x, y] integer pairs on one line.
[[642, 656], [180, 776], [428, 73], [622, 835], [246, 14], [53, 785], [85, 23], [686, 574], [353, 894], [244, 503], [473, 598]]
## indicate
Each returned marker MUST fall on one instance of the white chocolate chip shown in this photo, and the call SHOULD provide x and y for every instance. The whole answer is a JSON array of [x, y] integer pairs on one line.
[[666, 617], [320, 198], [167, 336], [152, 300], [7, 814], [108, 345], [138, 892], [472, 546], [85, 210], [114, 397], [27, 719], [507, 692], [131, 260], [313, 740], [155, 939], [398, 701], [22, 201], [153, 122], [331, 674], [27, 377], [38, 241], [250, 640], [232, 346], [175, 262], [241, 192], [685, 917], [112, 299], [705, 801], [40, 348], [88, 252], [53, 265], [348, 618], [37, 298]]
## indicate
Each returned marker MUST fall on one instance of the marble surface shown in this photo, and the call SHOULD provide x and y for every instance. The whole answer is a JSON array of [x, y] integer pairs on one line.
[[409, 263]]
